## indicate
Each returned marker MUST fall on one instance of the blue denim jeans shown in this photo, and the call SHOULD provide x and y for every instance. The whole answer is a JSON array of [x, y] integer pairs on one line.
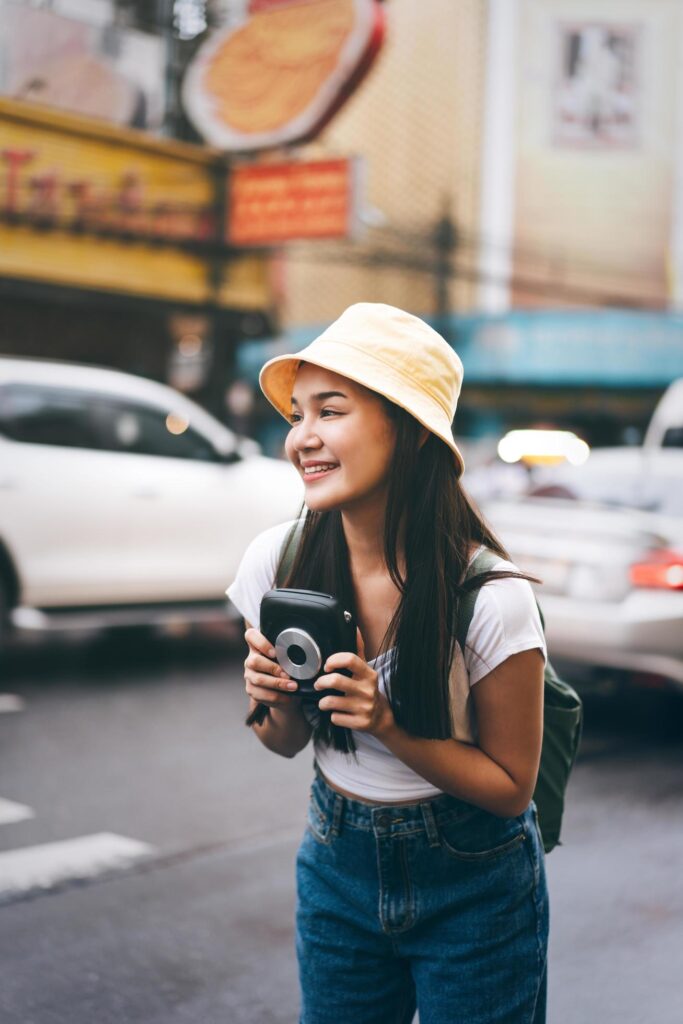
[[436, 905]]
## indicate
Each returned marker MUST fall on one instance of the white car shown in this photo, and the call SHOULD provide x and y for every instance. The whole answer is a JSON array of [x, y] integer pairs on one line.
[[122, 501], [607, 540]]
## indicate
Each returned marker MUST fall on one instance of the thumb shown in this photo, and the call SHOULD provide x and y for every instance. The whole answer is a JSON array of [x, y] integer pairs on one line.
[[360, 643]]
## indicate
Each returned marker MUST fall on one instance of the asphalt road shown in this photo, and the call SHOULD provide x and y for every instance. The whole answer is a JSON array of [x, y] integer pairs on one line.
[[143, 742]]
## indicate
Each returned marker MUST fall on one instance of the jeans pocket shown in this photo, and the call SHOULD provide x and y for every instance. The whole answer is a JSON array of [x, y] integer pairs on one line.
[[483, 837], [318, 822]]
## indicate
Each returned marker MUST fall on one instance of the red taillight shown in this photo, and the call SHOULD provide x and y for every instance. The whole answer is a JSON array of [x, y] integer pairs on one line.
[[662, 569]]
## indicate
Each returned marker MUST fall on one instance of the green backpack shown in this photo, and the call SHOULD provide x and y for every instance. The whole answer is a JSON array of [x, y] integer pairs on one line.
[[562, 708], [562, 722]]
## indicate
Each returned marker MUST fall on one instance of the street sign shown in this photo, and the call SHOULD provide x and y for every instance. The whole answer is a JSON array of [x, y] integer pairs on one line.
[[274, 203]]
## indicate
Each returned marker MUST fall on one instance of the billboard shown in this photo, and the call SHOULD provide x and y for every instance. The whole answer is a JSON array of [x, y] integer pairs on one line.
[[279, 74], [99, 207], [274, 203], [102, 71]]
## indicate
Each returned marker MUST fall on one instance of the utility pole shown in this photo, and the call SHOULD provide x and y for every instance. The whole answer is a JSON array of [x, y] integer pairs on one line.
[[445, 241], [164, 15]]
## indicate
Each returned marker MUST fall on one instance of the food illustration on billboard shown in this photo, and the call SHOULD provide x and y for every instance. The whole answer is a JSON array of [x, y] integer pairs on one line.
[[280, 75]]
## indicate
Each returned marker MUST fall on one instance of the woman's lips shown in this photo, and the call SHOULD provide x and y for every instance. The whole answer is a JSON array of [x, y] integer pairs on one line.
[[318, 475]]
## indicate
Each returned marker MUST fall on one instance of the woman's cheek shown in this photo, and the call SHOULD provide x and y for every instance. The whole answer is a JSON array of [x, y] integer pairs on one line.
[[290, 450]]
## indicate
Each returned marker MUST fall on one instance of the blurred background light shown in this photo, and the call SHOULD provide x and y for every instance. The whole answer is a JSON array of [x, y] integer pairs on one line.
[[176, 424], [189, 18], [543, 447], [190, 345]]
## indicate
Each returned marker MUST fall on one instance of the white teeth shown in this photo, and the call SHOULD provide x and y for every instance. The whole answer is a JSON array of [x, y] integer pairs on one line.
[[309, 470]]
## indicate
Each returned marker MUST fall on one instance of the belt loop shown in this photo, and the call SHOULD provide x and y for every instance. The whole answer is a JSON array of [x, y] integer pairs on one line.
[[430, 824], [337, 810]]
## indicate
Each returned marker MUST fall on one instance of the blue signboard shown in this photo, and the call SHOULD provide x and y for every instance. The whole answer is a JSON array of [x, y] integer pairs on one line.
[[599, 348]]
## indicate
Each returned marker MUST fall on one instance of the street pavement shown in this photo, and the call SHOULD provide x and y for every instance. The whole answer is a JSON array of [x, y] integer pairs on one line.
[[147, 847]]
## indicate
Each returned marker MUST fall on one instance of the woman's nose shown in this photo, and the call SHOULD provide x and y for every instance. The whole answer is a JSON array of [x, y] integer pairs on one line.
[[305, 438]]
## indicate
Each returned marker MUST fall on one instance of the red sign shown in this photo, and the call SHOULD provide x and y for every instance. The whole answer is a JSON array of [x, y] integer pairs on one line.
[[281, 73], [273, 203]]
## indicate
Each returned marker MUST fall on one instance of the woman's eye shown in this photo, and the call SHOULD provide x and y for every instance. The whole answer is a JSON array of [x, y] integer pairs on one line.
[[329, 412], [295, 417]]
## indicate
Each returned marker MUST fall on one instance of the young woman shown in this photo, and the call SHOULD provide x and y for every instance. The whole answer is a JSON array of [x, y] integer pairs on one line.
[[420, 875]]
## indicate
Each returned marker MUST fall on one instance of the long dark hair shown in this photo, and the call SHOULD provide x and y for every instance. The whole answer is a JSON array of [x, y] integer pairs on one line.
[[441, 525]]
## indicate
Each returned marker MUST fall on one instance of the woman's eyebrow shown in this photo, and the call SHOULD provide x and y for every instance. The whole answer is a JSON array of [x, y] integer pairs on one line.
[[322, 396]]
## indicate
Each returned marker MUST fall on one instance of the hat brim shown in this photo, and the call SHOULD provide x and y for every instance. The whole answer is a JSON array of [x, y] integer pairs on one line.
[[278, 375]]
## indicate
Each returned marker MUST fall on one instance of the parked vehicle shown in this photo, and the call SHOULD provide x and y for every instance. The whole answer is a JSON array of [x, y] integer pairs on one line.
[[666, 426], [606, 538], [122, 501]]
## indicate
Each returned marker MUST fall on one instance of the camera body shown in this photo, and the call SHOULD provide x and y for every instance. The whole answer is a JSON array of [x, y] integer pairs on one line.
[[305, 627]]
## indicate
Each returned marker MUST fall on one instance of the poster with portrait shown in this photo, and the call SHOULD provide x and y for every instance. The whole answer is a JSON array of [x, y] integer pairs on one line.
[[596, 101]]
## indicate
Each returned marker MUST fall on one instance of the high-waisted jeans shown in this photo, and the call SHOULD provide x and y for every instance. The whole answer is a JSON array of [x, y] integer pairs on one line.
[[437, 905]]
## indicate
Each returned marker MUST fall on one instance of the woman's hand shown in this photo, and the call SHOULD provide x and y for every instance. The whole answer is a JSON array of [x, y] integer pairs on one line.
[[265, 682], [362, 707]]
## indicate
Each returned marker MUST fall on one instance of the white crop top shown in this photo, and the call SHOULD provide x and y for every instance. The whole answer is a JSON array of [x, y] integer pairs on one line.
[[505, 622]]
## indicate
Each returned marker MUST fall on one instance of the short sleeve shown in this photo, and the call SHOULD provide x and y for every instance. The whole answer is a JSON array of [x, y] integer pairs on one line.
[[256, 572], [505, 621]]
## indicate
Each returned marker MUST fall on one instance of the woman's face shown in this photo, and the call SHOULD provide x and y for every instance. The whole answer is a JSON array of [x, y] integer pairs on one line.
[[341, 441]]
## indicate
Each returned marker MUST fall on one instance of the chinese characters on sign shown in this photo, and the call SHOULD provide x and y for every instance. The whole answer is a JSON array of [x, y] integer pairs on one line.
[[275, 203], [128, 203]]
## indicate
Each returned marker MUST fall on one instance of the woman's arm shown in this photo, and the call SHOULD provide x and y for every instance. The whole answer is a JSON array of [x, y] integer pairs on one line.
[[285, 730], [499, 774]]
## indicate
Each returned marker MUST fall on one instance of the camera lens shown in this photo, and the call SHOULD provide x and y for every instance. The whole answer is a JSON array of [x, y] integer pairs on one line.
[[296, 654]]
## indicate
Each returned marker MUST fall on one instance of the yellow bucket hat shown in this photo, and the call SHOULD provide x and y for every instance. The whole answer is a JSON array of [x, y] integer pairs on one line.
[[388, 351]]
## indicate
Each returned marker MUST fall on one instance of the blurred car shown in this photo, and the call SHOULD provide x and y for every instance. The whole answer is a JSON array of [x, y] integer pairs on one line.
[[606, 538], [666, 426], [121, 501]]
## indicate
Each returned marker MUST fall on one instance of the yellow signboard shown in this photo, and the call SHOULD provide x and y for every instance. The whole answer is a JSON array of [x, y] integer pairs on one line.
[[91, 206]]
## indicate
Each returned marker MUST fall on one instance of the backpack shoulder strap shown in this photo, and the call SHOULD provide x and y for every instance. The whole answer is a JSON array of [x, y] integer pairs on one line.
[[288, 552], [484, 561]]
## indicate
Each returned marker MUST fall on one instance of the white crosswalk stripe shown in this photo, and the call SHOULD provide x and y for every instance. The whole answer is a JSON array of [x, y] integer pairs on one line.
[[47, 865], [11, 811], [11, 702]]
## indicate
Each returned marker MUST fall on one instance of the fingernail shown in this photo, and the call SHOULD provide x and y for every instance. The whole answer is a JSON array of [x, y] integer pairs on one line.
[[271, 652], [291, 686]]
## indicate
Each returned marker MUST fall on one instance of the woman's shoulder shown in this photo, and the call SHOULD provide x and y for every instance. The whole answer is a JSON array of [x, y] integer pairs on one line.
[[257, 569], [505, 620], [513, 587], [271, 541], [493, 562]]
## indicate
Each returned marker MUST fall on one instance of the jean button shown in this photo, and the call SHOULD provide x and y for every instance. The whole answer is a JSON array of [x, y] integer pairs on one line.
[[383, 820]]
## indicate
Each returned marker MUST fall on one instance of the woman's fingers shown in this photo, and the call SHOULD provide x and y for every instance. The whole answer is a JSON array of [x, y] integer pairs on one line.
[[269, 682], [258, 642], [265, 681], [345, 659], [259, 663], [335, 681], [271, 698]]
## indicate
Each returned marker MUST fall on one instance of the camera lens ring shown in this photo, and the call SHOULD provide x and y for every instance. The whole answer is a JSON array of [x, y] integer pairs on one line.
[[294, 637]]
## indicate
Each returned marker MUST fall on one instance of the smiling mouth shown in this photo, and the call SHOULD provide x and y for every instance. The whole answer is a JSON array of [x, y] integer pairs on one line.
[[317, 472]]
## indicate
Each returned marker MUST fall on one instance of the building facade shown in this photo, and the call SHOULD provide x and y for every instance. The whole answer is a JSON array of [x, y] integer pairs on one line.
[[112, 251]]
